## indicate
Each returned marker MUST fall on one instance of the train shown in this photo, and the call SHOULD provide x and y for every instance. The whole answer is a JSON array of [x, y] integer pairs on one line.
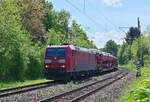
[[65, 62]]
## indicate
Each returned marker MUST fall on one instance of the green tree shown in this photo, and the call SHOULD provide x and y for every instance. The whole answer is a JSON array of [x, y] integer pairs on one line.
[[132, 34], [128, 53], [50, 17], [16, 52], [23, 24], [11, 34], [58, 30], [32, 14], [124, 54], [63, 22], [56, 24], [143, 49], [111, 47], [79, 37]]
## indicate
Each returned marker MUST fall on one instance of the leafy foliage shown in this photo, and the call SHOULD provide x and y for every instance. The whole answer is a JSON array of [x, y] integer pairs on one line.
[[11, 40], [132, 34], [32, 13], [139, 90], [142, 94], [26, 27], [128, 52], [111, 47]]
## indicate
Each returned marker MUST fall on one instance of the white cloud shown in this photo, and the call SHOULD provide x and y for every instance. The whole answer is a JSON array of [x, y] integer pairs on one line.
[[100, 38], [114, 3]]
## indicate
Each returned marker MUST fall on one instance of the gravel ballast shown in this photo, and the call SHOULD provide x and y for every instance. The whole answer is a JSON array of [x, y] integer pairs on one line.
[[111, 93]]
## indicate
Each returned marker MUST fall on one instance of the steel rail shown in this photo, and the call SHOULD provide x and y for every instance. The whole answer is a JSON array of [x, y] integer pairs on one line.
[[17, 90], [81, 97], [77, 89], [20, 87]]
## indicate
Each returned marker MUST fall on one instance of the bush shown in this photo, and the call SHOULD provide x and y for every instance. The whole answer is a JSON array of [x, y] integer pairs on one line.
[[34, 67], [143, 94]]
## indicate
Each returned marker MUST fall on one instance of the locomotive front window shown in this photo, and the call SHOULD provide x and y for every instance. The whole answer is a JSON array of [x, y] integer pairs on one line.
[[56, 52]]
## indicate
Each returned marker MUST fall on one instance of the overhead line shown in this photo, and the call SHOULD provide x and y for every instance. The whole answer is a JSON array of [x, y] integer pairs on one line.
[[108, 20], [90, 18]]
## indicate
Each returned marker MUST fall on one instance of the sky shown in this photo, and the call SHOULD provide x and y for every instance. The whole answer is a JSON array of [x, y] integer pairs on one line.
[[101, 19]]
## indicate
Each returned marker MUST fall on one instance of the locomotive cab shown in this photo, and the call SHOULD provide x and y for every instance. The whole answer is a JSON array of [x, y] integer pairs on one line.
[[55, 63]]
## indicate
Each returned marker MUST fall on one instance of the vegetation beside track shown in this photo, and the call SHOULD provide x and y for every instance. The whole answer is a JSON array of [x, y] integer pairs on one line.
[[5, 85], [139, 90], [130, 66], [26, 28], [96, 78]]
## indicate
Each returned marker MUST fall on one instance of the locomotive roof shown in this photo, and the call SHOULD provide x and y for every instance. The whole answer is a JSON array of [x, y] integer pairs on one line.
[[82, 49], [62, 46], [94, 50], [72, 47]]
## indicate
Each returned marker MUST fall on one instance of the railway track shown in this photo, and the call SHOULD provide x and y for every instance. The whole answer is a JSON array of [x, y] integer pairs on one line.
[[79, 94], [22, 89]]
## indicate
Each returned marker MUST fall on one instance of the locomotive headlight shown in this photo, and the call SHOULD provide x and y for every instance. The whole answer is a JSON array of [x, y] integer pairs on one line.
[[48, 61], [61, 60], [63, 66]]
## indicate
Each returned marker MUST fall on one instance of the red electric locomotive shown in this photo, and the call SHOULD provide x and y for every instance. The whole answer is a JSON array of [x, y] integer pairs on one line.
[[68, 61]]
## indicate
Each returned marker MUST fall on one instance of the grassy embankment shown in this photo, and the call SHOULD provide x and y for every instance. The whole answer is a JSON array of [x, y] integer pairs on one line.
[[5, 85], [128, 66], [139, 90]]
